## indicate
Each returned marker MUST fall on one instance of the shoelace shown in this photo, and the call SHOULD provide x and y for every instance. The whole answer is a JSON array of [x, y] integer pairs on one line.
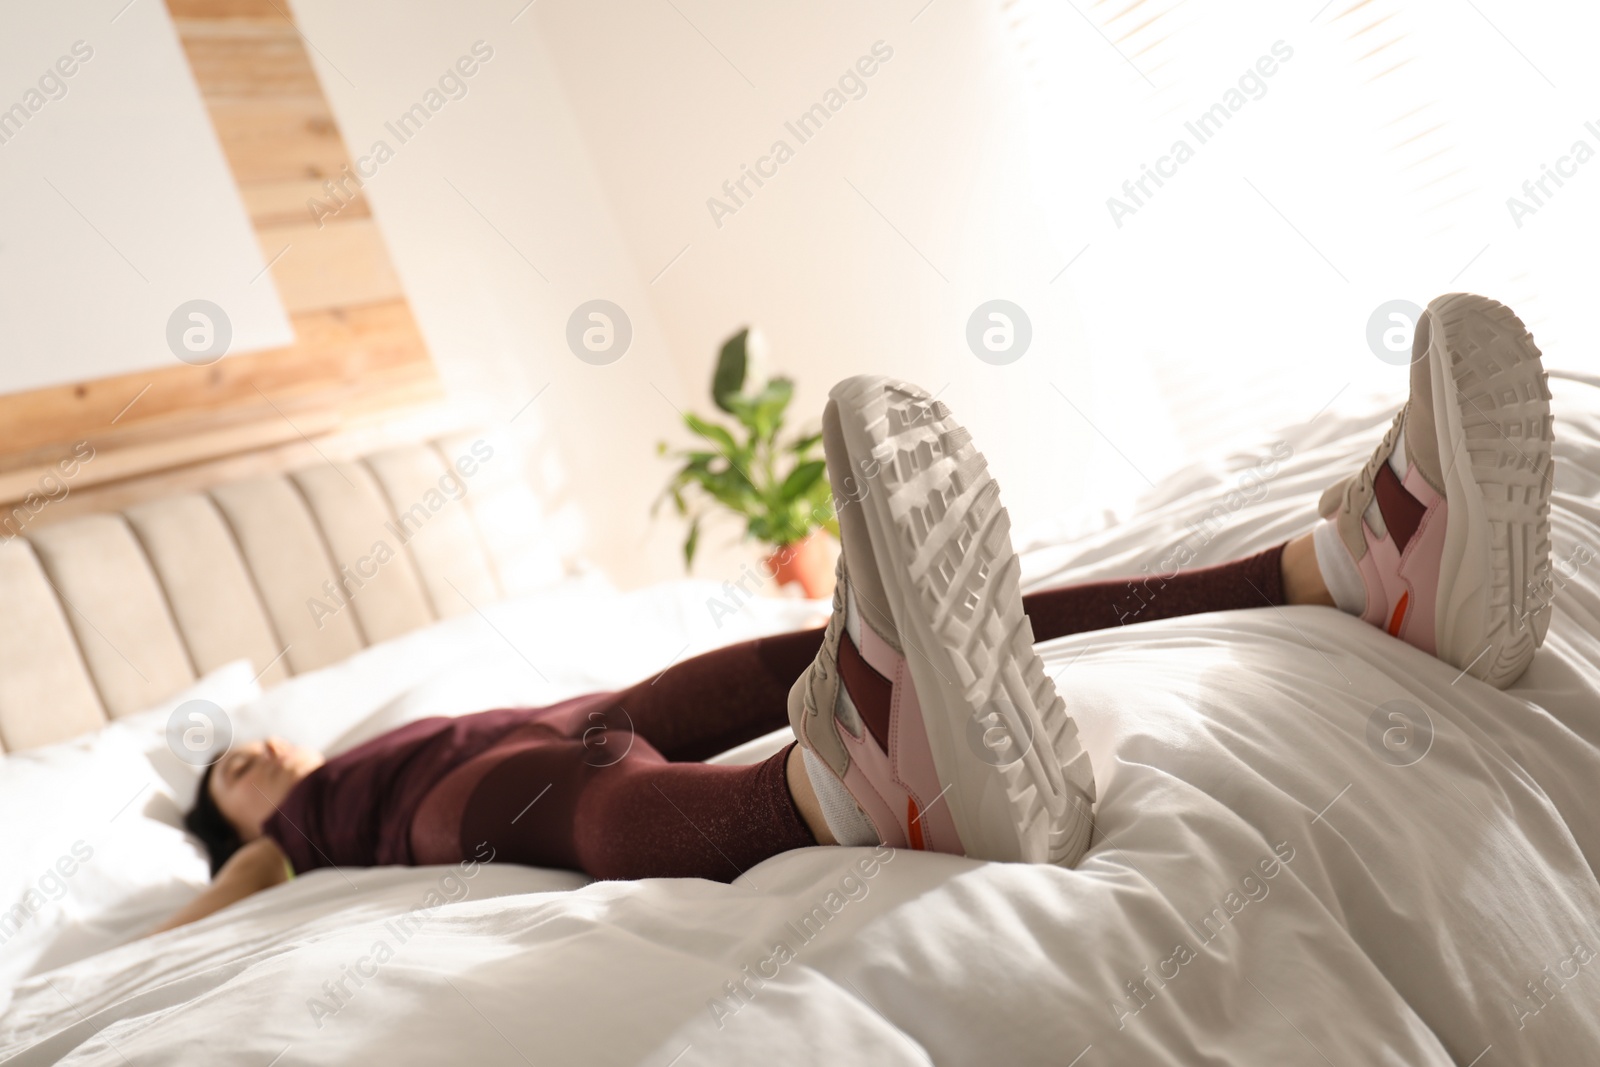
[[1362, 484], [828, 655]]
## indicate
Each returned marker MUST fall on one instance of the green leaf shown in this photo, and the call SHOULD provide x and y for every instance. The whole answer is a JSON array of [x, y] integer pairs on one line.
[[730, 488], [743, 409], [775, 395], [700, 460], [767, 407], [728, 379], [711, 432], [820, 497], [805, 444], [801, 479], [778, 389], [691, 543]]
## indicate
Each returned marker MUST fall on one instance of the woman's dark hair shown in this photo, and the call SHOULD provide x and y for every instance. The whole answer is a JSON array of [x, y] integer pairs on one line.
[[206, 821]]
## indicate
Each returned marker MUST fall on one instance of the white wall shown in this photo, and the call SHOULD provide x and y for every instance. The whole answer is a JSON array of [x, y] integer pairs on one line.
[[495, 191], [870, 249], [593, 139], [1374, 163], [119, 203]]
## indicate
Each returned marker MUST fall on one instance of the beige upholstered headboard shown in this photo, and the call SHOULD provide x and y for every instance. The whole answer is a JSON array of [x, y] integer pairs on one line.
[[108, 614]]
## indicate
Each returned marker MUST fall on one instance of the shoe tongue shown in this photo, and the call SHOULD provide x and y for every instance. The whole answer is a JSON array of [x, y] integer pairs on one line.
[[1401, 512], [852, 616], [1399, 460]]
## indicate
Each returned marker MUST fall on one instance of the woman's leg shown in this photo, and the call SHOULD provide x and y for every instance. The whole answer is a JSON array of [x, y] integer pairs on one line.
[[710, 703], [713, 702], [732, 695], [1283, 574], [550, 795]]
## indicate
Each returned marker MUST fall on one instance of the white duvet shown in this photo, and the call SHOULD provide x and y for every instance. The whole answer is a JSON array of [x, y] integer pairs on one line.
[[1315, 845]]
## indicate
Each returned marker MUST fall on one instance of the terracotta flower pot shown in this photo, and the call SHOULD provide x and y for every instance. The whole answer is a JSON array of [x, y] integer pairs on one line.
[[807, 563]]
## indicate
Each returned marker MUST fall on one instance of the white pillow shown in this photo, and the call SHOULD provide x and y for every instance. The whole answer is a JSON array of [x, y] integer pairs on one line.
[[93, 841], [230, 687]]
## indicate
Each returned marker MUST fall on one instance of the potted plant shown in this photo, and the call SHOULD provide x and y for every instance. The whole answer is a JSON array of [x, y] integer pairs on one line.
[[779, 488]]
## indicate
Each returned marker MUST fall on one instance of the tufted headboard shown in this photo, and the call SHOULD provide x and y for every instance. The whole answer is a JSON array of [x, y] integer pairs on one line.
[[107, 614]]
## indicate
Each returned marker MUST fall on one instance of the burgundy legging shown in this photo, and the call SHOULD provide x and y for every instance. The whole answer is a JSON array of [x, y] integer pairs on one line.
[[610, 784]]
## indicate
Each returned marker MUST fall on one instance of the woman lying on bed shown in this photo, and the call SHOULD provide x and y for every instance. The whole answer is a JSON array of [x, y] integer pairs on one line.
[[924, 718]]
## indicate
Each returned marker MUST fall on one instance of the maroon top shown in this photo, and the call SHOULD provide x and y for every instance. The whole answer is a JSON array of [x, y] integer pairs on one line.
[[356, 809]]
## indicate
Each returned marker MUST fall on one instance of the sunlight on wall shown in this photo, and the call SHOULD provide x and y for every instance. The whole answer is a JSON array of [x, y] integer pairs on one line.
[[1244, 187]]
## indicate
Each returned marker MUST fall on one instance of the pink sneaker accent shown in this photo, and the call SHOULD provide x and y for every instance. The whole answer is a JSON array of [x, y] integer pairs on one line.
[[1402, 576]]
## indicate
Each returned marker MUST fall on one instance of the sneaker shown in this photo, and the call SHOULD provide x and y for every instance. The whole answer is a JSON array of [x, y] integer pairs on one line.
[[1453, 548], [927, 700]]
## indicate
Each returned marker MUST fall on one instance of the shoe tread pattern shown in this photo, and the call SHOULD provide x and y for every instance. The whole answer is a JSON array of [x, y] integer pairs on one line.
[[946, 510], [1505, 405]]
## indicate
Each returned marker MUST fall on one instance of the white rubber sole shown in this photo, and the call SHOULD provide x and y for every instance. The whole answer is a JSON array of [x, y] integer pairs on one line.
[[943, 547], [1492, 414]]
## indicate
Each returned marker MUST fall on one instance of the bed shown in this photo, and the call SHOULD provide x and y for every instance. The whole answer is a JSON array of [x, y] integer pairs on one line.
[[1314, 844]]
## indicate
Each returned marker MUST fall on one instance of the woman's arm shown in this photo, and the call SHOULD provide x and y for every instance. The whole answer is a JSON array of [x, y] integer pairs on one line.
[[256, 866]]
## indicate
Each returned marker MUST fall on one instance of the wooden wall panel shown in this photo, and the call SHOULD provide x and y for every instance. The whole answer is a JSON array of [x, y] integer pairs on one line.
[[358, 357], [227, 9], [342, 263], [256, 58], [283, 203], [277, 140]]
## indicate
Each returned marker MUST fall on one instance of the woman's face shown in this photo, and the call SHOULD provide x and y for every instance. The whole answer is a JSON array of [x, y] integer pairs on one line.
[[251, 781]]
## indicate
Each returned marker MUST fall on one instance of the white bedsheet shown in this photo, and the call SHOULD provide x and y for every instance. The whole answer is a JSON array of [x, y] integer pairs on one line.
[[1269, 885]]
